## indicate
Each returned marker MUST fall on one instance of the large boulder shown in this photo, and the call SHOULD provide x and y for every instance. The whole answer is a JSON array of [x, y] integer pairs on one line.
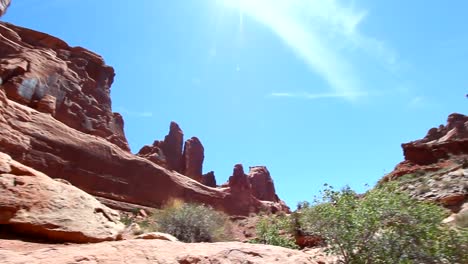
[[160, 251], [70, 83], [33, 204]]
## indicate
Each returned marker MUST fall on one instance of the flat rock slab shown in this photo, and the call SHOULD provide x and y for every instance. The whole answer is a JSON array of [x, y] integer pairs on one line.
[[158, 251], [33, 204]]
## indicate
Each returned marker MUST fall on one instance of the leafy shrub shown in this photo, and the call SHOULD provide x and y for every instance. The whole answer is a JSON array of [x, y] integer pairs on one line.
[[384, 226], [275, 230], [192, 222]]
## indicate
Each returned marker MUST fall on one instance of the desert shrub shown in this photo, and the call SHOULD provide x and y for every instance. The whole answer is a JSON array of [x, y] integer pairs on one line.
[[275, 230], [125, 219], [192, 222], [384, 226]]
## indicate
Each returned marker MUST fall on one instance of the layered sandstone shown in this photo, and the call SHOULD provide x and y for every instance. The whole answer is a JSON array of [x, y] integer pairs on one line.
[[436, 167], [56, 117], [32, 203], [70, 83]]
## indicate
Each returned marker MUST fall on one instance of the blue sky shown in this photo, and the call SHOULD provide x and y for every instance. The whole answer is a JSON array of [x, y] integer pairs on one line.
[[318, 91]]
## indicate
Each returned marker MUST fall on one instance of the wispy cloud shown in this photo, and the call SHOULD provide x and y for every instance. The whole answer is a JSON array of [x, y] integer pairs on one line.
[[319, 95], [323, 33]]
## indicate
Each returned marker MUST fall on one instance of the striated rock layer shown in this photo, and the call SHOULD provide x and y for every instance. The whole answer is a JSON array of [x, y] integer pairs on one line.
[[101, 168], [440, 148], [70, 83], [3, 6], [56, 117], [32, 203], [436, 167], [159, 251]]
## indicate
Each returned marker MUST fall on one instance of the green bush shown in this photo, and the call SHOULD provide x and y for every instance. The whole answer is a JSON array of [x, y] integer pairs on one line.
[[275, 230], [192, 222], [384, 226]]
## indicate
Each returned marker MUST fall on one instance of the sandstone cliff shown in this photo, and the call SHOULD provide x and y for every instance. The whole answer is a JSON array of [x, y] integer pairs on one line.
[[56, 117]]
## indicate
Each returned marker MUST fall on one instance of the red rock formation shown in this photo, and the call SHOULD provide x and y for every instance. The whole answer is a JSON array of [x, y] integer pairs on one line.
[[193, 157], [103, 169], [262, 184], [79, 139], [3, 6], [34, 204], [172, 147], [209, 179], [440, 142], [239, 182], [167, 153], [440, 148], [71, 83]]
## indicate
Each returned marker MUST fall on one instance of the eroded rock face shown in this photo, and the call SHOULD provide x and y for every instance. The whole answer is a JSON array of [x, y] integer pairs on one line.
[[193, 157], [167, 153], [262, 184], [55, 116], [103, 169], [439, 143], [34, 204], [71, 83], [209, 179], [239, 182], [3, 6]]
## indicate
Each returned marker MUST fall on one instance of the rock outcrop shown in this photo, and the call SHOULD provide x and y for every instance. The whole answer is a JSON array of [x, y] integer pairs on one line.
[[436, 167], [262, 184], [192, 159], [101, 168], [32, 203], [173, 154], [439, 143], [209, 179], [70, 83], [239, 182], [3, 6], [56, 117], [159, 251]]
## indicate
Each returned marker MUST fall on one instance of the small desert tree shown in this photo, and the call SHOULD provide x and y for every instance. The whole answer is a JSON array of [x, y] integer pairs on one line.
[[275, 230], [383, 226]]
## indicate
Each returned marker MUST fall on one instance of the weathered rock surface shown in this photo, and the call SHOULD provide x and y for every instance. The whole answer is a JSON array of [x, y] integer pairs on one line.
[[158, 251], [209, 179], [71, 83], [262, 184], [436, 167], [34, 204], [101, 168], [192, 160], [439, 143], [239, 182], [3, 6], [173, 154], [55, 116]]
